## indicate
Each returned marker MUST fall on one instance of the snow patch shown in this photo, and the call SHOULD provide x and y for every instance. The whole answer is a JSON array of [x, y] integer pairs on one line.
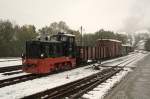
[[37, 85], [100, 91], [10, 63]]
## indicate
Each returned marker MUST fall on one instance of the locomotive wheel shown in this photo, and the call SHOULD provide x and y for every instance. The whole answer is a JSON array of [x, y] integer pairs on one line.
[[69, 65], [56, 67], [60, 67]]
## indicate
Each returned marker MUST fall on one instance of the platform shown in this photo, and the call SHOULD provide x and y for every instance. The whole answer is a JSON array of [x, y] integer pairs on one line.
[[136, 85]]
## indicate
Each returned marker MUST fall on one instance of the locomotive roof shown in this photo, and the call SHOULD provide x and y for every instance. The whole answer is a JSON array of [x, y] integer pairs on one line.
[[69, 35], [66, 34], [51, 41], [113, 40]]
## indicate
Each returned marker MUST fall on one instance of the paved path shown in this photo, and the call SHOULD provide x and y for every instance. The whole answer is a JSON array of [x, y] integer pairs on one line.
[[136, 85]]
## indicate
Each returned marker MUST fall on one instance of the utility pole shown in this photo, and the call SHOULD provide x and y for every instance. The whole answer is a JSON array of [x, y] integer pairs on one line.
[[81, 43], [81, 36]]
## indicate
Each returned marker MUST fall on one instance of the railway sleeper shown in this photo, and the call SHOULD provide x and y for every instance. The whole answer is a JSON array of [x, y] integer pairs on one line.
[[65, 90]]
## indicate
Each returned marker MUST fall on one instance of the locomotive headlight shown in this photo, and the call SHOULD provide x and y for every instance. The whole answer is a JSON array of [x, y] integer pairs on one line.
[[42, 55]]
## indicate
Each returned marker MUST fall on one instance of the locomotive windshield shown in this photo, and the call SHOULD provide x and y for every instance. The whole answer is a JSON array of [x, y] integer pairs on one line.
[[51, 50], [32, 50], [59, 38], [37, 49]]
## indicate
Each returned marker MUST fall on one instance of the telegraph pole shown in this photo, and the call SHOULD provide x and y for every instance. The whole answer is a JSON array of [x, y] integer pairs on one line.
[[81, 36], [81, 43]]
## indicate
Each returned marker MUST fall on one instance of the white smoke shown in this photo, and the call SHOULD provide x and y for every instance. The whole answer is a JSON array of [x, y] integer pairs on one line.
[[139, 18]]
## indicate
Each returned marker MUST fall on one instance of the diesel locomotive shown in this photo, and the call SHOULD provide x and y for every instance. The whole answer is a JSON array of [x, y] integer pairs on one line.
[[46, 56]]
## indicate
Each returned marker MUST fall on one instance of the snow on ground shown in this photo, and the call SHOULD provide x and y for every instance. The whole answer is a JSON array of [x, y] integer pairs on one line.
[[135, 57], [2, 77], [33, 86], [10, 59], [119, 59], [40, 84], [116, 61], [12, 71], [10, 63], [141, 56], [100, 91]]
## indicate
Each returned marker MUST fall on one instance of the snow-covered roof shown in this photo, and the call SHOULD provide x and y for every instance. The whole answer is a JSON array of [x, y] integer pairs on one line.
[[66, 34], [126, 45], [141, 41], [113, 40], [69, 35]]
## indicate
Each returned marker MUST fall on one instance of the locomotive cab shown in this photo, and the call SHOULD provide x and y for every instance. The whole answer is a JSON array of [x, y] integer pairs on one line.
[[68, 43], [38, 49], [48, 56]]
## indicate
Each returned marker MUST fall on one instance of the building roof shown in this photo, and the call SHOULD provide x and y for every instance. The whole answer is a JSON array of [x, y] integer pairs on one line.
[[127, 45]]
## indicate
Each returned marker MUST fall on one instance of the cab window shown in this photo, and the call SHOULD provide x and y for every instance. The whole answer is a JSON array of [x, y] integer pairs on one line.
[[64, 38]]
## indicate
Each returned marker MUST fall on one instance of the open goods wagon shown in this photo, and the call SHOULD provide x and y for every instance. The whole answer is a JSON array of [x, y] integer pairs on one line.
[[103, 49]]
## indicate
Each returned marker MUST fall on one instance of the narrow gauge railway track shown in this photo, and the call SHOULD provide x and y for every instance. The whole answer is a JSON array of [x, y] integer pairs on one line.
[[18, 79], [130, 60], [69, 89], [76, 89], [12, 73], [10, 68]]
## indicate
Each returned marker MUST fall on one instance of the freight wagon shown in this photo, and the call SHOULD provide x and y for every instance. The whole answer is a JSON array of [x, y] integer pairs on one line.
[[104, 49]]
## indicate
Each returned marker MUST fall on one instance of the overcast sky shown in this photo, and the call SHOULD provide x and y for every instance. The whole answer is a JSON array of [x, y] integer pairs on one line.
[[91, 14]]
